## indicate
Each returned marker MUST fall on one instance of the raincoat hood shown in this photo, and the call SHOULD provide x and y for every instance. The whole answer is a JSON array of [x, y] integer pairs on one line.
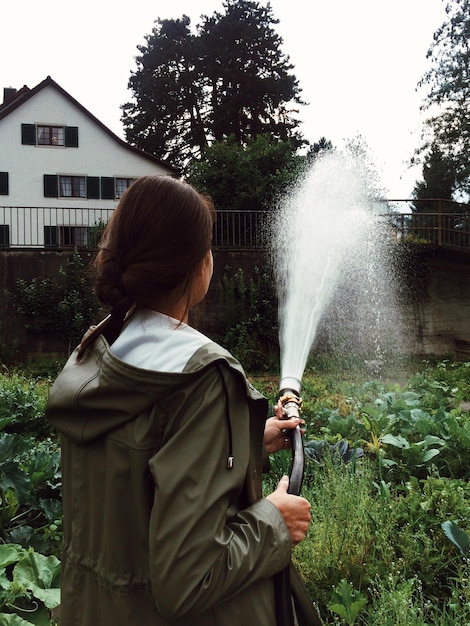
[[96, 391]]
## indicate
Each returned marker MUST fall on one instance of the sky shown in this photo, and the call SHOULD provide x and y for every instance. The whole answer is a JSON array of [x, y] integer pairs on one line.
[[358, 63]]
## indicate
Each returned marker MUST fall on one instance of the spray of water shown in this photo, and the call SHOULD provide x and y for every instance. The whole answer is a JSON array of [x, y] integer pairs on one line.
[[320, 232]]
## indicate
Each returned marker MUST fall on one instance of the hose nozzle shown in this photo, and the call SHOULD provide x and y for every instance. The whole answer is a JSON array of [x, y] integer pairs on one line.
[[289, 406]]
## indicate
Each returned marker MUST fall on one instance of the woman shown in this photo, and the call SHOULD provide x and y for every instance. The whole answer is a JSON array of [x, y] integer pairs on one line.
[[162, 442]]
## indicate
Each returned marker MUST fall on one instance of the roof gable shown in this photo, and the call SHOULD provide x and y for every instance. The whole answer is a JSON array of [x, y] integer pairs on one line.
[[15, 100]]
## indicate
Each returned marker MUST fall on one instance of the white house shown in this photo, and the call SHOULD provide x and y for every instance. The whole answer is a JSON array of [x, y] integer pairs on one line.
[[62, 171]]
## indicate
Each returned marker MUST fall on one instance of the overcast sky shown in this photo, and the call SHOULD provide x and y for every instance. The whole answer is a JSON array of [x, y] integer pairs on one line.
[[358, 63]]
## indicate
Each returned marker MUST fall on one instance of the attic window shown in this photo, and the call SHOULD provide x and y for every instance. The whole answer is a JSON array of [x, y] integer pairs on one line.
[[51, 136]]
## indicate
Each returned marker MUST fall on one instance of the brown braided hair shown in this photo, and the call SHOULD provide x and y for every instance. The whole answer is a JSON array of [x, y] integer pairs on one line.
[[151, 249]]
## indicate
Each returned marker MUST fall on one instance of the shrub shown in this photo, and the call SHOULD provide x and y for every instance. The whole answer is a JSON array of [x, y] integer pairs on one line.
[[64, 305], [22, 404], [250, 317]]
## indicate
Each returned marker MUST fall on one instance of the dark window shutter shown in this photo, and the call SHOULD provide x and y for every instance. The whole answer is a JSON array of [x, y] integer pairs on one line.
[[4, 235], [93, 187], [107, 188], [51, 186], [28, 134], [50, 236], [3, 183], [71, 136]]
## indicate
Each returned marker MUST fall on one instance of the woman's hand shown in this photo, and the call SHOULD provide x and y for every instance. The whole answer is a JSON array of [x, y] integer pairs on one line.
[[276, 431], [294, 509]]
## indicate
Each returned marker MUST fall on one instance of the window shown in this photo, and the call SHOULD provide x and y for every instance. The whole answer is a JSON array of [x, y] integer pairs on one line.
[[66, 236], [122, 184], [51, 136], [68, 186], [73, 236], [72, 186], [112, 188]]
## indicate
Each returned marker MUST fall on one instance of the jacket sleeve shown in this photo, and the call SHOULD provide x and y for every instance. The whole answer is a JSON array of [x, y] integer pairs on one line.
[[204, 546]]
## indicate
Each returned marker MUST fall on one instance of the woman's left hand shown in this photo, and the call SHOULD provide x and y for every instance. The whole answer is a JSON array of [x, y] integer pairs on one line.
[[276, 432]]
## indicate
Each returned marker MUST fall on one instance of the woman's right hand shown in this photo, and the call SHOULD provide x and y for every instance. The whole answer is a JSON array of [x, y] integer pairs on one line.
[[294, 509]]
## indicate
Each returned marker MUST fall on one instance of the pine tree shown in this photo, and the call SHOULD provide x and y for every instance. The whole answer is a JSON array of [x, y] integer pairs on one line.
[[229, 79], [165, 117]]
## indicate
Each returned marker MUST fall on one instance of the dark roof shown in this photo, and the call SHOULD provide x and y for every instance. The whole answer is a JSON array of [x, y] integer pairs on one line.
[[24, 94]]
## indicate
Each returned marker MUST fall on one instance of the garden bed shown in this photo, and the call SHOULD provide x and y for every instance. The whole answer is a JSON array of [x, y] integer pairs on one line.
[[387, 474]]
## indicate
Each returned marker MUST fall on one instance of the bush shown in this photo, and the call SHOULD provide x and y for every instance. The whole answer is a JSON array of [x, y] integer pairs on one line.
[[250, 317], [64, 305], [22, 405]]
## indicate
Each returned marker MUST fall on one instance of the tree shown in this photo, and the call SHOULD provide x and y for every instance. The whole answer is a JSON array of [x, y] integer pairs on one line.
[[448, 83], [249, 77], [319, 147], [166, 117], [431, 194], [438, 182], [246, 178], [229, 79]]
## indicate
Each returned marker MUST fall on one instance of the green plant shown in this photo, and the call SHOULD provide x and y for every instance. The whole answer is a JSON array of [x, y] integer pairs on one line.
[[378, 521], [29, 586], [30, 505], [396, 601], [443, 384], [346, 602], [249, 317], [351, 529], [419, 508], [22, 403], [458, 537], [64, 305], [402, 432], [95, 233]]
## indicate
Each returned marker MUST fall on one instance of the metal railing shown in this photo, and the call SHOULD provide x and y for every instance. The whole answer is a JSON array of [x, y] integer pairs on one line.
[[50, 227], [45, 227], [241, 229], [439, 229]]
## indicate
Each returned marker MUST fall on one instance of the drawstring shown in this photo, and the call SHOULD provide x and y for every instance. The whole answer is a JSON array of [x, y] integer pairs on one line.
[[227, 419]]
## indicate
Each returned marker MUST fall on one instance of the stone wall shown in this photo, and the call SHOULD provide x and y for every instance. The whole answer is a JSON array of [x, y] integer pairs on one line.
[[439, 306], [434, 294]]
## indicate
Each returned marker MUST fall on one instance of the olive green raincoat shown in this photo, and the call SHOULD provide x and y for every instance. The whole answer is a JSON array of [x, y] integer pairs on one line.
[[164, 523]]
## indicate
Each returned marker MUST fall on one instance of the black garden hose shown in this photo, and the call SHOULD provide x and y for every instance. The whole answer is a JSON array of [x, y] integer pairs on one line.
[[291, 404]]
